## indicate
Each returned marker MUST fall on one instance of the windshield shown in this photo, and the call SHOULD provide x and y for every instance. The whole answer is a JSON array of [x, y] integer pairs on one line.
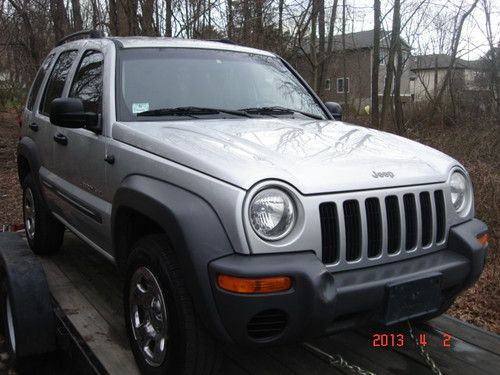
[[151, 79]]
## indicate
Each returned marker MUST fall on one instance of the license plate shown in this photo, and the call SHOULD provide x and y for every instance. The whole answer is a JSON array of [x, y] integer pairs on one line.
[[412, 298]]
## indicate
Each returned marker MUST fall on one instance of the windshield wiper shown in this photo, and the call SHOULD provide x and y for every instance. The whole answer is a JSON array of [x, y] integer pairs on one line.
[[280, 111], [189, 111]]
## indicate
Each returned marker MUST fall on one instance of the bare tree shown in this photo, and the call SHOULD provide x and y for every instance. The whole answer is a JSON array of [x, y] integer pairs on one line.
[[492, 60], [375, 63], [77, 15]]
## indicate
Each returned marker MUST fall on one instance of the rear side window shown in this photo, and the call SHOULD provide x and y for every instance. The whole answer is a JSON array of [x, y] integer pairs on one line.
[[38, 82], [87, 84], [55, 84]]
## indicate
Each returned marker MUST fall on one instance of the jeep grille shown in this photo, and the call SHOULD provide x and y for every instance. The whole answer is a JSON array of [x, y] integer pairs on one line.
[[382, 226]]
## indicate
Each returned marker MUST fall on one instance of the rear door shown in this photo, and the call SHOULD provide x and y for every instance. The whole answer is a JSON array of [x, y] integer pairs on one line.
[[53, 88], [31, 127]]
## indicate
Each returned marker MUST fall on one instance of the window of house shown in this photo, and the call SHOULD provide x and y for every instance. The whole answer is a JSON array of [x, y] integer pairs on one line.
[[87, 84], [38, 82], [328, 84], [382, 56], [342, 85], [55, 85]]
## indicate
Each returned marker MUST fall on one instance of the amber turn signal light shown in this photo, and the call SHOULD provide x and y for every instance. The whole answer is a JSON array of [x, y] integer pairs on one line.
[[254, 285], [483, 239]]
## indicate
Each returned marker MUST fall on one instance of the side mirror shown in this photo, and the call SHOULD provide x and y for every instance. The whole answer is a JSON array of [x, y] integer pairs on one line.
[[335, 109], [69, 113]]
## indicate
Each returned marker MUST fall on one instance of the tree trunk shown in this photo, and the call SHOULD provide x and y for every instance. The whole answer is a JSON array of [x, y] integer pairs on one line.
[[230, 20], [77, 15], [387, 102], [113, 18], [96, 18], [168, 18], [375, 64], [246, 21], [281, 5], [344, 60], [59, 18], [398, 105], [147, 19], [321, 47], [259, 23], [314, 52]]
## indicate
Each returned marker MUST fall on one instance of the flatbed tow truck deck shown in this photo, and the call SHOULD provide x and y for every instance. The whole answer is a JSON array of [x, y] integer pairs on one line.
[[88, 307]]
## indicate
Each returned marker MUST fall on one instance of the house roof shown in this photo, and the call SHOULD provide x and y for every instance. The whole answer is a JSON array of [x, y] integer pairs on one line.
[[360, 40], [363, 39], [442, 61]]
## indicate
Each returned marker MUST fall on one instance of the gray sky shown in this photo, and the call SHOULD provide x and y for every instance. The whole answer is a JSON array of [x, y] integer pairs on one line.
[[421, 32]]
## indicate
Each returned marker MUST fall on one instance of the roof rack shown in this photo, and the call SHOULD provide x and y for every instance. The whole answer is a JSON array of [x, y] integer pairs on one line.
[[93, 34], [226, 41]]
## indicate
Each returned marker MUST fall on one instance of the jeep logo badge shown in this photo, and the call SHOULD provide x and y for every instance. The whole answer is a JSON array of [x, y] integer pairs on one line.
[[382, 174]]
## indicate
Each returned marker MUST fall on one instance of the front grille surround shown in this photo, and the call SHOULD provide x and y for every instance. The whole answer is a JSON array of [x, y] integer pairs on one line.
[[397, 215]]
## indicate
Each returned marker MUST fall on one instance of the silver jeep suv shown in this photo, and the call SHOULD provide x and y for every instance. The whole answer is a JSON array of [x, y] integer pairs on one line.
[[238, 208]]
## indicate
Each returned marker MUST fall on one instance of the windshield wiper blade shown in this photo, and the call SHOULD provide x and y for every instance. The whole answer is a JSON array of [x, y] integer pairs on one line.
[[280, 110], [188, 111]]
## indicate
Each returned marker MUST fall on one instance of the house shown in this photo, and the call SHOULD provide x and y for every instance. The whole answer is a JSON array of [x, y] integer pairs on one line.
[[356, 79], [468, 79]]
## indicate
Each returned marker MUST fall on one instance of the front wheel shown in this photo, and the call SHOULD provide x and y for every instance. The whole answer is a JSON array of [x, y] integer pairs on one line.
[[165, 334], [43, 232]]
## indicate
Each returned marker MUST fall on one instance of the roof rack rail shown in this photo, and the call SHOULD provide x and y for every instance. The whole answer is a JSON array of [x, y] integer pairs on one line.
[[93, 34], [226, 41]]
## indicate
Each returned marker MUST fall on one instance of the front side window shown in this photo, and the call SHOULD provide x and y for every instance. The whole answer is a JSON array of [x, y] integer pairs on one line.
[[38, 82], [57, 80], [87, 84], [149, 79]]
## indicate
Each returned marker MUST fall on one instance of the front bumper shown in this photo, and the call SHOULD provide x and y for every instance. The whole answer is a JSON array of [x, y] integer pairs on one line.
[[322, 302]]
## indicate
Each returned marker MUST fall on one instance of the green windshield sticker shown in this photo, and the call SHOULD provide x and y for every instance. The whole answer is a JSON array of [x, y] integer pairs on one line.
[[140, 107]]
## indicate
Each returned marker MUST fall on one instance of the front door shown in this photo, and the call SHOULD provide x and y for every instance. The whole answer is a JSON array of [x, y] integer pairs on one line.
[[79, 158]]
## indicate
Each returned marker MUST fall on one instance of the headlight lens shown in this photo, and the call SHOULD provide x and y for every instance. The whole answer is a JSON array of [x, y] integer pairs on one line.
[[272, 214], [460, 192]]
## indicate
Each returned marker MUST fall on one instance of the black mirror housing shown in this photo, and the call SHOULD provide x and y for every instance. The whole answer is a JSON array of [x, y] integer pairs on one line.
[[335, 109], [69, 113]]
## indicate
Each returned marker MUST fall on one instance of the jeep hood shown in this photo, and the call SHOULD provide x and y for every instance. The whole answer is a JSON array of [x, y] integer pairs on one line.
[[313, 156]]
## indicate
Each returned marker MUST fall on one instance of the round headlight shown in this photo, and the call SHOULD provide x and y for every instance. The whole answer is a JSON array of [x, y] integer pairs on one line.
[[272, 214], [460, 192]]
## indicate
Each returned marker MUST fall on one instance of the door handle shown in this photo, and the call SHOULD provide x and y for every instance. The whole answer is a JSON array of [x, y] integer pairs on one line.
[[34, 126], [61, 139]]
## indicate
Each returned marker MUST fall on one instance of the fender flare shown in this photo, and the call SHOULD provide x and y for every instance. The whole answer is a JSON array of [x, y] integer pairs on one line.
[[193, 228], [27, 148]]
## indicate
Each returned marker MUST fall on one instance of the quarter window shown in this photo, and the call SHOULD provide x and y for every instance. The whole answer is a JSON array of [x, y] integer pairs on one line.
[[38, 82], [87, 84], [57, 79]]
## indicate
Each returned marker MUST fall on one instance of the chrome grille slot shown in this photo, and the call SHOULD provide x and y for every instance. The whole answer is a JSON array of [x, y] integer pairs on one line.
[[377, 227]]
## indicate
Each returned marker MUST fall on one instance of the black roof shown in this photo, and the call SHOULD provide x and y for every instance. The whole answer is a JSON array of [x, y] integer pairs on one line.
[[363, 39], [442, 61]]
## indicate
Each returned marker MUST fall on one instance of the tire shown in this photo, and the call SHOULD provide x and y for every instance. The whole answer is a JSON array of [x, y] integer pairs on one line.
[[154, 279], [7, 320], [43, 232]]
